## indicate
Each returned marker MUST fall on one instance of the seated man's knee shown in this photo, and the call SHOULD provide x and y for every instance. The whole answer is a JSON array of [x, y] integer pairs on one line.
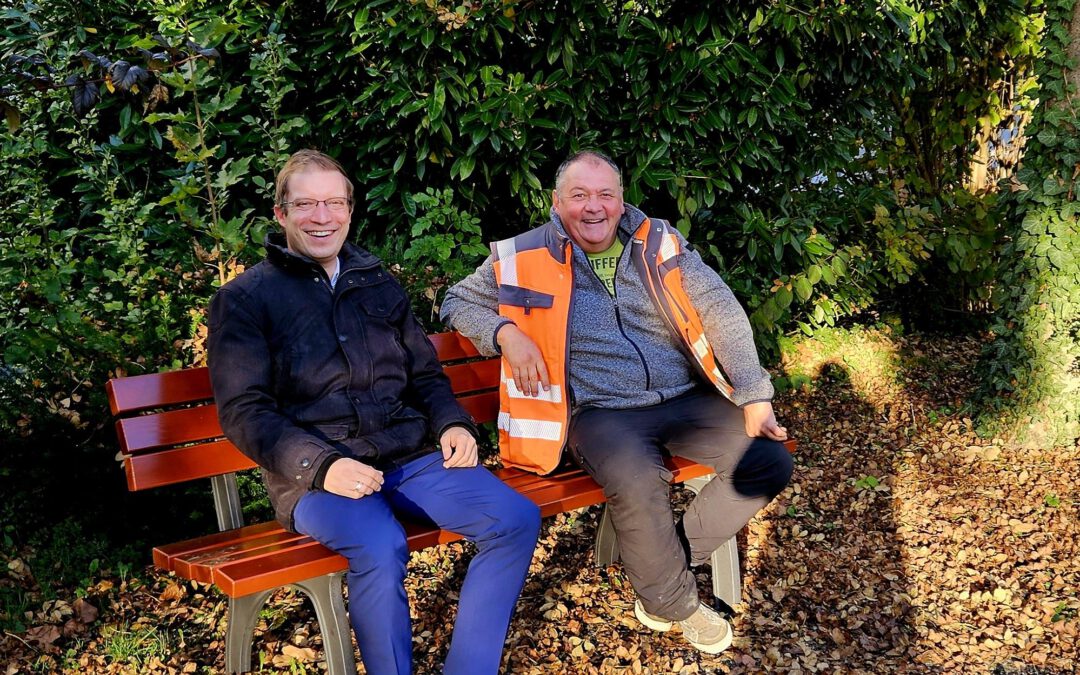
[[520, 520], [781, 466], [765, 469], [635, 483]]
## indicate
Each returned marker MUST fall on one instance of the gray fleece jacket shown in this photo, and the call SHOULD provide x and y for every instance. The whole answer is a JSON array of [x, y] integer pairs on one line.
[[621, 353]]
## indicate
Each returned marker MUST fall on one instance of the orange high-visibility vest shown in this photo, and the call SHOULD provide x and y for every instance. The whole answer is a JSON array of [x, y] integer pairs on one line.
[[534, 272]]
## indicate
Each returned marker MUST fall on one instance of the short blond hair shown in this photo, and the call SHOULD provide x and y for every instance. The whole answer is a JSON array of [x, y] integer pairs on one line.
[[307, 160]]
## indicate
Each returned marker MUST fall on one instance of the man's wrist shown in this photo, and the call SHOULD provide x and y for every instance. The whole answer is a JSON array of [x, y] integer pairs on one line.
[[498, 331]]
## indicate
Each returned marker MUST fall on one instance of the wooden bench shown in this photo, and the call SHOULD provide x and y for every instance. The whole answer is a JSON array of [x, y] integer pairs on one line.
[[168, 432]]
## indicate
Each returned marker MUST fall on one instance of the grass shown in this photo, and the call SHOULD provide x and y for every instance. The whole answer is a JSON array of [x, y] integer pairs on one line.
[[135, 645]]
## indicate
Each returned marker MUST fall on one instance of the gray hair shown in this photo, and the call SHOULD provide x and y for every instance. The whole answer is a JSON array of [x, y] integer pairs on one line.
[[591, 155]]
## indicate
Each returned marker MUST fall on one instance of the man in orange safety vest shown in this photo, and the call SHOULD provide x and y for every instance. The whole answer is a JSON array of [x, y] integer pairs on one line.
[[620, 344]]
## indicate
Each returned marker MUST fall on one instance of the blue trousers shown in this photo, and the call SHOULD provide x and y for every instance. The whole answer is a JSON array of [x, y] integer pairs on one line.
[[472, 502]]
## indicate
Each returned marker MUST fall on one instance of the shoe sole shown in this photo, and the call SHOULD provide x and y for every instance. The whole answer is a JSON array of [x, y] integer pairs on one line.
[[649, 622]]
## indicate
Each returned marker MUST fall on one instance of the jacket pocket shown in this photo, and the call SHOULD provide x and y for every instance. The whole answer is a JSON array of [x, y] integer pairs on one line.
[[517, 296], [377, 293], [333, 432]]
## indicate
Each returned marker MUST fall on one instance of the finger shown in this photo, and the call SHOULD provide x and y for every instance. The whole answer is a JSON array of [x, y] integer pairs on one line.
[[542, 371], [775, 431], [457, 458], [519, 380], [447, 448], [374, 475], [370, 477], [464, 457]]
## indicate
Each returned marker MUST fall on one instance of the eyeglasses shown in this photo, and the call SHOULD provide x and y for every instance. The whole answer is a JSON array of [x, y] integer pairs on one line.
[[305, 205]]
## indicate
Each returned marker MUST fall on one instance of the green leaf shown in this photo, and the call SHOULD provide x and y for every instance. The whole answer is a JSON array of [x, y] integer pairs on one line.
[[803, 288], [783, 297], [756, 21]]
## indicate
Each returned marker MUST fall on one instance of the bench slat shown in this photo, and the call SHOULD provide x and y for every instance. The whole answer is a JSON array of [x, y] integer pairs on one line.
[[466, 378], [158, 390], [483, 407], [169, 428], [452, 346], [200, 565], [179, 465], [165, 556]]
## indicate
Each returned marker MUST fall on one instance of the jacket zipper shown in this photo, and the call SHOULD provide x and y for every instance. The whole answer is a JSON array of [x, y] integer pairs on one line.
[[618, 320]]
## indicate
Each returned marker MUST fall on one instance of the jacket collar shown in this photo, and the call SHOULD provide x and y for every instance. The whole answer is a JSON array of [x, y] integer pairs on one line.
[[351, 255]]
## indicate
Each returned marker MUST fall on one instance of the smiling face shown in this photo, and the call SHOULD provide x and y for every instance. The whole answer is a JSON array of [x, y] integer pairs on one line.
[[589, 202], [319, 233]]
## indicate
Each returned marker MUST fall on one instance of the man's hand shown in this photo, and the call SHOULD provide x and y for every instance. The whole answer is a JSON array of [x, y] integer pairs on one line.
[[526, 361], [350, 478], [761, 421], [458, 448]]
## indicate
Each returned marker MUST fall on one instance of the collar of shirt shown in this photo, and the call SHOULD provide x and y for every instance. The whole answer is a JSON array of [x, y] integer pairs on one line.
[[337, 271]]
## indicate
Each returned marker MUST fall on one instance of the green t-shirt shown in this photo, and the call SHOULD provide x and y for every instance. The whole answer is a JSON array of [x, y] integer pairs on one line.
[[605, 262]]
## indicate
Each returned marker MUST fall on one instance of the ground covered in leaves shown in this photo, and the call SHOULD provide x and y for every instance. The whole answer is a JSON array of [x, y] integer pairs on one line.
[[906, 543]]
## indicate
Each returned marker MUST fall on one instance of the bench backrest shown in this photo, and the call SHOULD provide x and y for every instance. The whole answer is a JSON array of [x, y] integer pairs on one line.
[[168, 430]]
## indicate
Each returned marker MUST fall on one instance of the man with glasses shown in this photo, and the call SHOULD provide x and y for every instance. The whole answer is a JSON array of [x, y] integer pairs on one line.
[[323, 376], [613, 332]]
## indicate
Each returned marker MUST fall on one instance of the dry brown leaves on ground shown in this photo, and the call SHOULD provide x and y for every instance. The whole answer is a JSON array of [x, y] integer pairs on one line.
[[905, 543]]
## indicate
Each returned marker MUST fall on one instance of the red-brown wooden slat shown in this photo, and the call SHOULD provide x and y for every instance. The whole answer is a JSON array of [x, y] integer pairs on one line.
[[259, 574], [466, 378], [452, 346], [158, 390], [169, 428], [168, 467], [165, 556], [483, 407], [200, 565]]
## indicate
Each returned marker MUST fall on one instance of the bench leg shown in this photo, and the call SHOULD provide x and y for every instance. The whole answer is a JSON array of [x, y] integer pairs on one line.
[[327, 596], [726, 582], [243, 614], [607, 544]]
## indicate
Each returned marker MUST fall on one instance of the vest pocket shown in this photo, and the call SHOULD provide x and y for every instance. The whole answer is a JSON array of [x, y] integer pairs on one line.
[[516, 296]]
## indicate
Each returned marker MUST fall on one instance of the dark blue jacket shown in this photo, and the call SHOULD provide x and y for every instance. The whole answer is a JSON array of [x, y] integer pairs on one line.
[[303, 374]]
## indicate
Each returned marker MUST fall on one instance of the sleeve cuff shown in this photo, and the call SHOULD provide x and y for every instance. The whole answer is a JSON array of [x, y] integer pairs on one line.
[[495, 335], [320, 475]]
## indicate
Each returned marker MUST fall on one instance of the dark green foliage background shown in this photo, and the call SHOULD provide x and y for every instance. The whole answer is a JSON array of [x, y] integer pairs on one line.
[[816, 152]]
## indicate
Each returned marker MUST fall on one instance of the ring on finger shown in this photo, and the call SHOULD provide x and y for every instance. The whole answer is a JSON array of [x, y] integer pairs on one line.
[[359, 487]]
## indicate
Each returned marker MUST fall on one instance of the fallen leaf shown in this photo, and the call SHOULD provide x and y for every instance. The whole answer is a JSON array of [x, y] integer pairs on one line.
[[84, 611]]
